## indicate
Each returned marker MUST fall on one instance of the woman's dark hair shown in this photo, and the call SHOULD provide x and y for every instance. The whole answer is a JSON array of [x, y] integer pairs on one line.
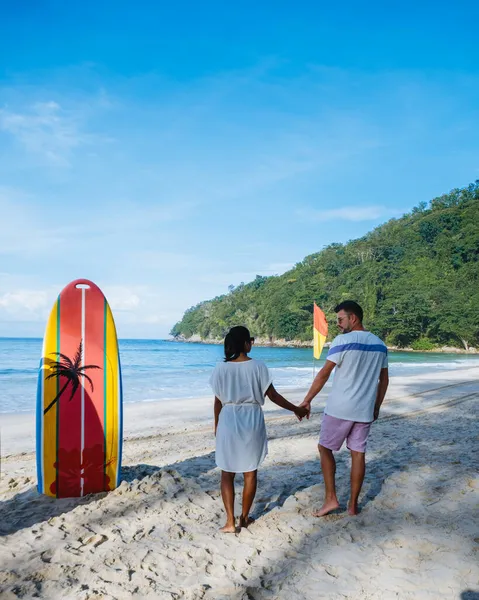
[[235, 341]]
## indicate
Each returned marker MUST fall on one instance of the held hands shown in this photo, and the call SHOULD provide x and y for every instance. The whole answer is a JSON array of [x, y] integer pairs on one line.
[[303, 410], [307, 406]]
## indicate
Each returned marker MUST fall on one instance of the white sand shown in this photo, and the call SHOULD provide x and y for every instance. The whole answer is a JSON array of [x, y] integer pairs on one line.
[[156, 535]]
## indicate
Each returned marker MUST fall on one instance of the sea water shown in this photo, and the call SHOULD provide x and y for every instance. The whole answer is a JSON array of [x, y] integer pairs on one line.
[[165, 370]]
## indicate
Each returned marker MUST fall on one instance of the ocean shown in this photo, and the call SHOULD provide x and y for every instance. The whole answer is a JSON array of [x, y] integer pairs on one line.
[[164, 370]]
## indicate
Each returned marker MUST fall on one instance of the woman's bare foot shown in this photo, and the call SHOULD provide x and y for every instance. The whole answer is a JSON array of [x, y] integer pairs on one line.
[[353, 509], [228, 528], [328, 506], [245, 521]]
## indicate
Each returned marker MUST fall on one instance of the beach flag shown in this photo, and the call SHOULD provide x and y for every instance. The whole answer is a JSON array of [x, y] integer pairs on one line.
[[320, 330]]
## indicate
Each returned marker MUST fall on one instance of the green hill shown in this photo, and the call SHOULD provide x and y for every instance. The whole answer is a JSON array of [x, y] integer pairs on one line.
[[417, 278]]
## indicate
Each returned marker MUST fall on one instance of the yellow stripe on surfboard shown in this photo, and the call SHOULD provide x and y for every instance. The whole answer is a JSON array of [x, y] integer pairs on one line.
[[50, 390], [112, 399]]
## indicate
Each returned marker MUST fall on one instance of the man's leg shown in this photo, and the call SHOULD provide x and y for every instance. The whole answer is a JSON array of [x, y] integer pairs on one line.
[[249, 492], [328, 467], [228, 495], [356, 442], [358, 469]]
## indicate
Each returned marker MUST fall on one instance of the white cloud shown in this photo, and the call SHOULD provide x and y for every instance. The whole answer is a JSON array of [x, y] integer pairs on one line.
[[22, 232], [30, 300], [48, 130], [122, 299], [347, 213], [29, 231], [278, 268], [26, 305]]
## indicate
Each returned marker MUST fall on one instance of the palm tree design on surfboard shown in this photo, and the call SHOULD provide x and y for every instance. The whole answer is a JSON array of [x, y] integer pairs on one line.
[[71, 370]]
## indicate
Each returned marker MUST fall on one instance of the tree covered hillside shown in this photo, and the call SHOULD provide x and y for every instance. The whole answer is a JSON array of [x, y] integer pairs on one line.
[[417, 278]]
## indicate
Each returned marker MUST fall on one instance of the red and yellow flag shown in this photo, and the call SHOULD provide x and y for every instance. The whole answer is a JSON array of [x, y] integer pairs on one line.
[[320, 330]]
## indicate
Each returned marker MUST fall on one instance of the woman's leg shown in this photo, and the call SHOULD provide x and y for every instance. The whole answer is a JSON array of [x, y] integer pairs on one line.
[[249, 492], [228, 495]]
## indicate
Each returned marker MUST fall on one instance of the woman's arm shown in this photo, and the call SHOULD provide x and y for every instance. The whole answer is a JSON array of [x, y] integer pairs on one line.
[[278, 399], [218, 407]]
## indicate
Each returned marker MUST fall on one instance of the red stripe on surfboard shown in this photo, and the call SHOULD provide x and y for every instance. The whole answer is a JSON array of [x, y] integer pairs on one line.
[[70, 466], [69, 428], [94, 453]]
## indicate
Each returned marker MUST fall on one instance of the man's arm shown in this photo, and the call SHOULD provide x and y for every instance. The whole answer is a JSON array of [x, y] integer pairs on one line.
[[382, 387], [318, 384], [218, 407]]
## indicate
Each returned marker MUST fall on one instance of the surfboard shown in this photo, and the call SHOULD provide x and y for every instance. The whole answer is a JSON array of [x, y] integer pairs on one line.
[[79, 417]]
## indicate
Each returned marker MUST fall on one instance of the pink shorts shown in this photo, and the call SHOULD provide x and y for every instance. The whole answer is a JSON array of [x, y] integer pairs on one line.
[[334, 431]]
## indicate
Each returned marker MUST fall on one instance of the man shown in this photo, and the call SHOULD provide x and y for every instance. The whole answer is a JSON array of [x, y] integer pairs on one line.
[[359, 386]]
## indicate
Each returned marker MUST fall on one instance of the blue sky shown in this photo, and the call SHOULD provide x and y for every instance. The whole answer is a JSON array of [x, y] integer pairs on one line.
[[166, 152]]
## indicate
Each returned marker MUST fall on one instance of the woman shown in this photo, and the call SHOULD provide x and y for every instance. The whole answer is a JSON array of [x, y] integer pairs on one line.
[[240, 384]]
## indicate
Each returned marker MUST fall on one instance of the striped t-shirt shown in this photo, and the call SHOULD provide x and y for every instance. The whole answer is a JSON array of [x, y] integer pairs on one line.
[[359, 357]]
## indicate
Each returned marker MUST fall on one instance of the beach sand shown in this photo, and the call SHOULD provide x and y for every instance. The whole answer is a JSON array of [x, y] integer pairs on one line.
[[156, 536]]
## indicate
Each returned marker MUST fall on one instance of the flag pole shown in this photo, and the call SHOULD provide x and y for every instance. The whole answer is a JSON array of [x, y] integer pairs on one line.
[[314, 339]]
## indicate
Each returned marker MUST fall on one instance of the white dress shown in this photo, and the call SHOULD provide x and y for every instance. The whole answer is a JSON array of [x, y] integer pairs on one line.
[[241, 443]]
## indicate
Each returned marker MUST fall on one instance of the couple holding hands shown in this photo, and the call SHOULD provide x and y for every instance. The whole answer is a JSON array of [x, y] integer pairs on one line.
[[241, 383]]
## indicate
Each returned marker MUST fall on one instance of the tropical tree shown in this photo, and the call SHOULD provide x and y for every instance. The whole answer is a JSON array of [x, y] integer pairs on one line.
[[72, 371]]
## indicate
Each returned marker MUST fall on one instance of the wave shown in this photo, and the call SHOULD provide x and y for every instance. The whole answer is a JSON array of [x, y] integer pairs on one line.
[[13, 371], [302, 369], [450, 364], [436, 365]]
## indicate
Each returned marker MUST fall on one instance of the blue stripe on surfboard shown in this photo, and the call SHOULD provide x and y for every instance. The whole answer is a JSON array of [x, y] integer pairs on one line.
[[360, 347], [120, 432]]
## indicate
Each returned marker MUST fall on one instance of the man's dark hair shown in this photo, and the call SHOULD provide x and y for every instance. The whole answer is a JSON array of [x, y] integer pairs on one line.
[[350, 307], [235, 342]]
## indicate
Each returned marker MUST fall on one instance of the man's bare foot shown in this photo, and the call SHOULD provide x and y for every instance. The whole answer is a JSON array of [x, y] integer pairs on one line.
[[327, 507], [353, 509], [228, 528], [245, 522]]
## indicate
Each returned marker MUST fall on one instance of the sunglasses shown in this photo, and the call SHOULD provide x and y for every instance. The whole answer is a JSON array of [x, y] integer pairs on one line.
[[251, 339]]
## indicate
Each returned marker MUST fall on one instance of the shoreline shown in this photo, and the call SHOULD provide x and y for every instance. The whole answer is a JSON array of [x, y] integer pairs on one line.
[[280, 343], [295, 391], [299, 344]]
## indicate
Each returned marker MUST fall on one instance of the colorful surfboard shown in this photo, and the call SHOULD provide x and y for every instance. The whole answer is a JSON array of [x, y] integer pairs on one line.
[[79, 396]]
